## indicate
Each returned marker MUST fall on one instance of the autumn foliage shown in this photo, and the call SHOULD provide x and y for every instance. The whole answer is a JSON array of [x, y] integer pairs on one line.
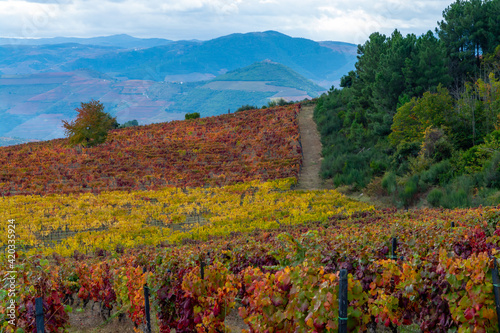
[[216, 151], [287, 279], [91, 126]]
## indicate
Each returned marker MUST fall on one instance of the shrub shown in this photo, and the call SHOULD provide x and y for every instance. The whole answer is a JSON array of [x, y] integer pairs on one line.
[[194, 115], [404, 151], [129, 123], [458, 193], [491, 172], [439, 173], [279, 102], [458, 199], [246, 107], [389, 182], [409, 191], [378, 167], [434, 197]]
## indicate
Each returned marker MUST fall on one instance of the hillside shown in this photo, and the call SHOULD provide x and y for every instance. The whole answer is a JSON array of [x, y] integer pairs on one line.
[[273, 74], [33, 106], [256, 85], [35, 59], [258, 144], [417, 123], [8, 141]]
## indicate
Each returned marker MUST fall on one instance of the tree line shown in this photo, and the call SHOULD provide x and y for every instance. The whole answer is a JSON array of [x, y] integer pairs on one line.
[[418, 117]]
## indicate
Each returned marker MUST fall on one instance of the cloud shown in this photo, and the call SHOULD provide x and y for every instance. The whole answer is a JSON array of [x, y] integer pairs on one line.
[[351, 21]]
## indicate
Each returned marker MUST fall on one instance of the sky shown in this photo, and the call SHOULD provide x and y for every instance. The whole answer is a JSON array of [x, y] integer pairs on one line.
[[335, 20]]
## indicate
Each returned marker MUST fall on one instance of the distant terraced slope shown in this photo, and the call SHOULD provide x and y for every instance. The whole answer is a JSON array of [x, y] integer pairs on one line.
[[256, 85]]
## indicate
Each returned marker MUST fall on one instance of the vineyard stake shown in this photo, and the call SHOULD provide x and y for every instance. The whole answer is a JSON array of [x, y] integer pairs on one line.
[[146, 305], [452, 224], [40, 327], [343, 302], [394, 248], [496, 291], [202, 269]]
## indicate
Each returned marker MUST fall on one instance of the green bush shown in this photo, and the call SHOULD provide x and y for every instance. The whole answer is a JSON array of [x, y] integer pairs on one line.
[[434, 197], [458, 193], [279, 102], [473, 160], [410, 191], [129, 123], [194, 115], [404, 151], [389, 182], [456, 199], [439, 173], [246, 107], [487, 197], [491, 172], [378, 167]]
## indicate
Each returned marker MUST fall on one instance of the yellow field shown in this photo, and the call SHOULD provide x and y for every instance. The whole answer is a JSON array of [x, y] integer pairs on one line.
[[111, 220]]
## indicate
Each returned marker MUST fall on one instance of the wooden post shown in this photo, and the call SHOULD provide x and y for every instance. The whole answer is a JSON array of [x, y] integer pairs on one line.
[[146, 305], [40, 327], [394, 248], [202, 269], [452, 224], [496, 289], [343, 302], [146, 308]]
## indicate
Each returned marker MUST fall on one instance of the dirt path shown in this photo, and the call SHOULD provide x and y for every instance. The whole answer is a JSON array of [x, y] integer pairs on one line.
[[309, 178]]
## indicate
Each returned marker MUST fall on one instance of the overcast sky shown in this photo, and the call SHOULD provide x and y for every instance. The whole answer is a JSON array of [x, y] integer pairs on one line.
[[337, 20]]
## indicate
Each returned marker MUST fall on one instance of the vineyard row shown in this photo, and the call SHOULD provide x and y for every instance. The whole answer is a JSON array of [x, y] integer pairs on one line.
[[288, 279]]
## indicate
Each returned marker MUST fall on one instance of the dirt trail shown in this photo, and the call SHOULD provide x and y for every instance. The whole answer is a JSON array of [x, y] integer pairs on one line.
[[309, 178]]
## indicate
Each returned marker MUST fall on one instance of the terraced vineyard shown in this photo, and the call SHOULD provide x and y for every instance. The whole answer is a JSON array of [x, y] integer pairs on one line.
[[287, 278], [215, 151], [111, 220]]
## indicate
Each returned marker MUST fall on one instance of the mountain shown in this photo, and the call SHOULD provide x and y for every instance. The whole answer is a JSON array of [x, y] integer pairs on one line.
[[164, 60], [33, 106], [42, 84], [7, 141], [316, 61], [121, 41], [34, 59]]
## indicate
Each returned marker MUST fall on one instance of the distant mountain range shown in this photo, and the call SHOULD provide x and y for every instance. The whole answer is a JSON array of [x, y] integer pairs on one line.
[[161, 59], [122, 41], [42, 81]]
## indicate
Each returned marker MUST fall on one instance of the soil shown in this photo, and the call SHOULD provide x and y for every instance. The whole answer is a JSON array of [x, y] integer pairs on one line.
[[309, 178]]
